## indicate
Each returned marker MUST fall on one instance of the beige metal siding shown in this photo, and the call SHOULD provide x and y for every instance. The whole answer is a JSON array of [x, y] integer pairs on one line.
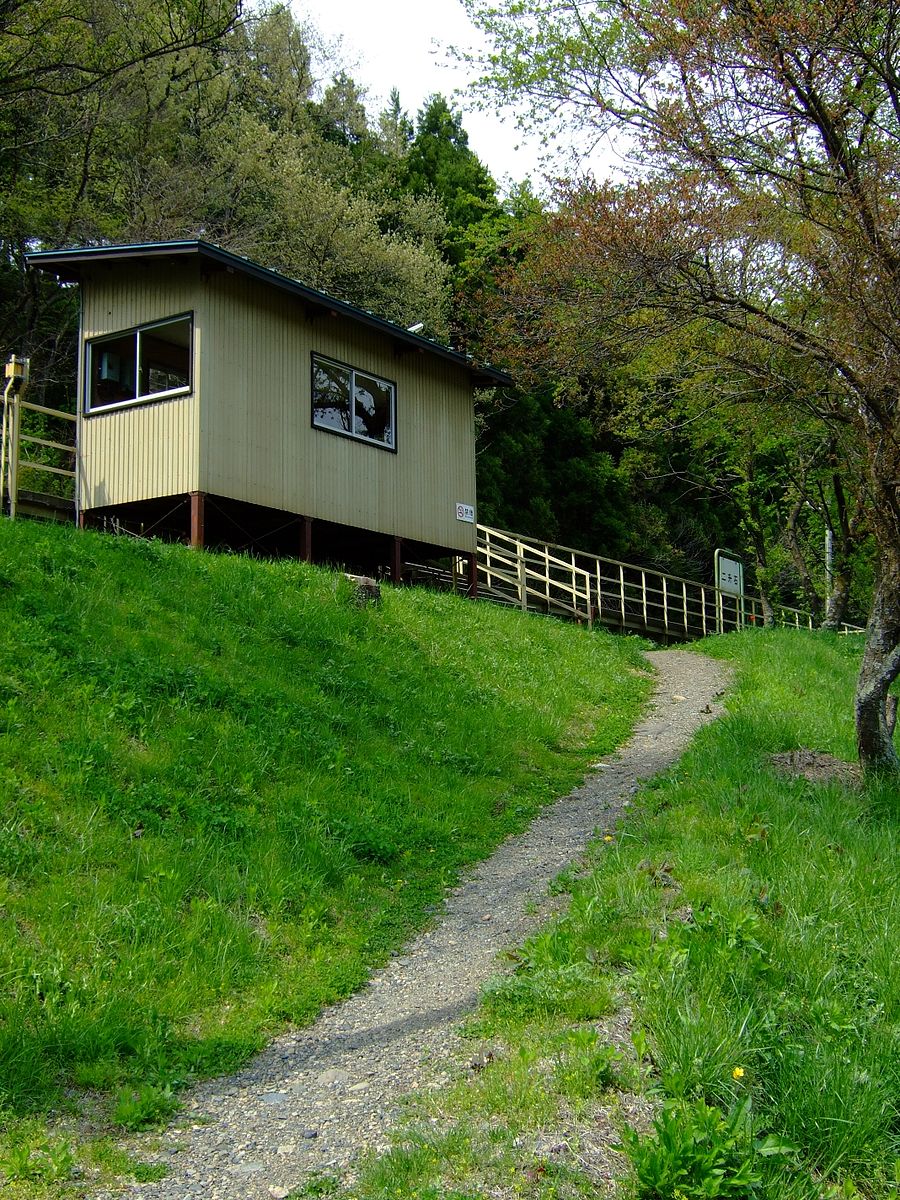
[[146, 450], [257, 439]]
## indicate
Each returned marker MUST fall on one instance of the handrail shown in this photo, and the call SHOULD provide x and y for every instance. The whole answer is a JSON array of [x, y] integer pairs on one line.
[[50, 412], [523, 564], [12, 438], [519, 569]]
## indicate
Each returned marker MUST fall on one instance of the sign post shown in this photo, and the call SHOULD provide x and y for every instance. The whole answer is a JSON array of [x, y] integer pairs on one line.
[[728, 571]]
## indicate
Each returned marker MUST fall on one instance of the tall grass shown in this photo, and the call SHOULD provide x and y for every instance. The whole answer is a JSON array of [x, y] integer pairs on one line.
[[781, 963], [228, 790]]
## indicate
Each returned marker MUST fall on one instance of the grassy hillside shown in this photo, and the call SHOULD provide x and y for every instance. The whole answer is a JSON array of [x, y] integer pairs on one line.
[[227, 790], [750, 922]]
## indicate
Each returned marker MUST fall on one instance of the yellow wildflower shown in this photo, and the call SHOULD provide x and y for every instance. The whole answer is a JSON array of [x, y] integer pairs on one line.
[[737, 1073]]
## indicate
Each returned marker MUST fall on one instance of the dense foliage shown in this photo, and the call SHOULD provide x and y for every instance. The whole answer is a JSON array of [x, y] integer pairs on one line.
[[765, 208], [680, 379]]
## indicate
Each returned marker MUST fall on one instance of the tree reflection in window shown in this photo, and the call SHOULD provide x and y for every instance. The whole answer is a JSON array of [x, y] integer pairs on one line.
[[373, 401], [331, 395], [370, 416]]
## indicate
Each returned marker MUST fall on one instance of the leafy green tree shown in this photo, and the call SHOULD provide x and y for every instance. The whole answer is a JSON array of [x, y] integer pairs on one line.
[[63, 64], [701, 426], [440, 162], [341, 112], [68, 48], [225, 138], [395, 130], [541, 473], [769, 204]]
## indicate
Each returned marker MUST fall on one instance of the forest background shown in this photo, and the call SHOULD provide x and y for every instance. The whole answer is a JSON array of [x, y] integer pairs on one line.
[[133, 122]]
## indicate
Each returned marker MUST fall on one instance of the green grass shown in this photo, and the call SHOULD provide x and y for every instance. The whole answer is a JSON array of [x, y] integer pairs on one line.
[[228, 791], [752, 923]]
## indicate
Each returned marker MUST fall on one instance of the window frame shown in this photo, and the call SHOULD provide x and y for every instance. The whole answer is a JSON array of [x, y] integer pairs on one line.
[[91, 409], [315, 356]]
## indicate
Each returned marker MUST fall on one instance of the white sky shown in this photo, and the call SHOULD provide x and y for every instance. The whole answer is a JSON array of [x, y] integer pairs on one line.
[[402, 44]]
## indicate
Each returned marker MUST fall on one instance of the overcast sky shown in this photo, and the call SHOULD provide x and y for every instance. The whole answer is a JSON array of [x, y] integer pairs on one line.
[[402, 44]]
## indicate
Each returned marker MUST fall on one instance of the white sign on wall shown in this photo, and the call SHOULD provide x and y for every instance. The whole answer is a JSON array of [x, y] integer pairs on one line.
[[466, 512]]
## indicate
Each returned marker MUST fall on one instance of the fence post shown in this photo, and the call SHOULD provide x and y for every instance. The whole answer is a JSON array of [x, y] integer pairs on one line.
[[685, 601], [622, 592], [14, 456], [665, 593], [523, 577], [4, 450]]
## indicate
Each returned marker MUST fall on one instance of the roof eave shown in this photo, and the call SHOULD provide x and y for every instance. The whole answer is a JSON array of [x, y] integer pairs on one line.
[[67, 265]]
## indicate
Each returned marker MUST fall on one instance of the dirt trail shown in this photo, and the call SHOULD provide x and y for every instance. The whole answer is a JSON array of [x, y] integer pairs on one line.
[[317, 1096]]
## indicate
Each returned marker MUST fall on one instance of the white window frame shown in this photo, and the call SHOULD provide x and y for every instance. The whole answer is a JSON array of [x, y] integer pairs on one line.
[[93, 345], [391, 446]]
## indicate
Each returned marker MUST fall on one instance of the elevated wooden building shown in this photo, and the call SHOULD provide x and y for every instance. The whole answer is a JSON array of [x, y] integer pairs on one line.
[[226, 403]]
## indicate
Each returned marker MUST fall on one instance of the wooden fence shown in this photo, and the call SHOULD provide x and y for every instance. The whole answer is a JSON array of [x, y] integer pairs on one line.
[[26, 445], [543, 577]]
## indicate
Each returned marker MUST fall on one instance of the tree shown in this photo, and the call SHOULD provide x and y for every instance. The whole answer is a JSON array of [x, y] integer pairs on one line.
[[395, 130], [440, 162], [768, 203], [68, 48], [63, 64], [542, 472], [223, 135]]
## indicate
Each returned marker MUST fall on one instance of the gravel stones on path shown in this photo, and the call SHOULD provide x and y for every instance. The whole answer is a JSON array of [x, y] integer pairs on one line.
[[318, 1096]]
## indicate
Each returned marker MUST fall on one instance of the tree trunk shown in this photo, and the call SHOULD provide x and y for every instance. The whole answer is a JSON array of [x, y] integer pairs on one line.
[[768, 610], [755, 527], [845, 538], [880, 667], [813, 599], [837, 600]]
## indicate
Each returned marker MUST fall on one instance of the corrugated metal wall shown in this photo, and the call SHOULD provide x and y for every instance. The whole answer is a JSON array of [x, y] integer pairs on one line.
[[253, 439], [259, 443], [150, 449]]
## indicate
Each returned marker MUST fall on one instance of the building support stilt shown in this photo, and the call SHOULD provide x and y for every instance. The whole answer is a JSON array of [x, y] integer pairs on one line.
[[397, 561], [306, 532], [198, 514], [473, 576]]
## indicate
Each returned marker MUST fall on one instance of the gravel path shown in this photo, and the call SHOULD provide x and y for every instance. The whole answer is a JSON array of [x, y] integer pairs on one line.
[[317, 1096]]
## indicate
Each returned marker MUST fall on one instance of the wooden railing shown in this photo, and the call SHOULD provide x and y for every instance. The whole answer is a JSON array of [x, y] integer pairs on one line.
[[13, 439], [543, 577]]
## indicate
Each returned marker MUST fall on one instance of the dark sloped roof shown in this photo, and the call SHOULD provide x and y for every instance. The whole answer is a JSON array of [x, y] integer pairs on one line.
[[67, 265]]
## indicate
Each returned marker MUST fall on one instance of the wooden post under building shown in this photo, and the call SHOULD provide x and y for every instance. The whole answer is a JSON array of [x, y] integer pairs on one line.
[[306, 531], [198, 507], [473, 576]]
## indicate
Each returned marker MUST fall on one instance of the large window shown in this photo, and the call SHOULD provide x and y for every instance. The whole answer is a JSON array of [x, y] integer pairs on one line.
[[147, 363], [354, 403]]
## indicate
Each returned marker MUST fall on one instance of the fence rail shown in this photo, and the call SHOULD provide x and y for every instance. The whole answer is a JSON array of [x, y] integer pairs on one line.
[[13, 438], [542, 577]]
